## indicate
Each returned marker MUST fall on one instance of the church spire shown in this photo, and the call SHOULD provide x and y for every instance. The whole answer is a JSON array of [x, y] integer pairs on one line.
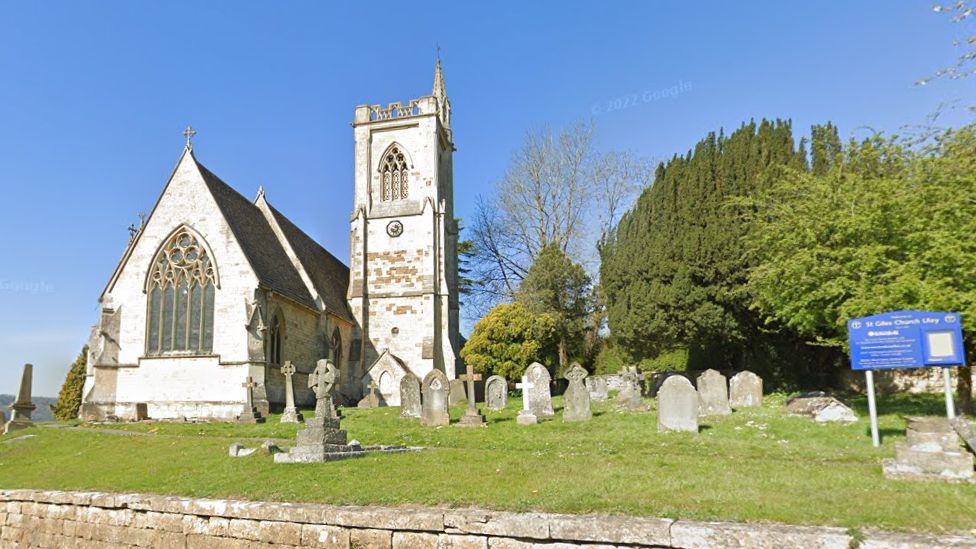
[[440, 93]]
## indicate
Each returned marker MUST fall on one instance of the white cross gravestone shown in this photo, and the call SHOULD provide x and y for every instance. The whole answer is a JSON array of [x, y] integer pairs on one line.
[[525, 415], [291, 414]]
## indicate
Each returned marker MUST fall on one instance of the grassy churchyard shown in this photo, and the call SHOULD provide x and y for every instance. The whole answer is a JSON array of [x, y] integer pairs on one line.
[[756, 465]]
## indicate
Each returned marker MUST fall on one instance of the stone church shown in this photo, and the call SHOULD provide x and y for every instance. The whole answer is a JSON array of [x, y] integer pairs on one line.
[[215, 288]]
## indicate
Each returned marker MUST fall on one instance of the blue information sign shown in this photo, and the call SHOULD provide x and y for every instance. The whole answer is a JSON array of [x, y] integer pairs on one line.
[[906, 339]]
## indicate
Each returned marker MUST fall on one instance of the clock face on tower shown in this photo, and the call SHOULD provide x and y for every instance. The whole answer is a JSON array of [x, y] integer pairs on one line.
[[394, 229]]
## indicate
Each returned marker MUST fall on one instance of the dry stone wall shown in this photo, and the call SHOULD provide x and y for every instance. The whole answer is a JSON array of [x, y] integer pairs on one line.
[[30, 518]]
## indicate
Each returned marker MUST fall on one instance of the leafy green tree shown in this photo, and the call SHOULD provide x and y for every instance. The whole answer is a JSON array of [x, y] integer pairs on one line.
[[557, 285], [888, 228], [509, 338], [69, 399]]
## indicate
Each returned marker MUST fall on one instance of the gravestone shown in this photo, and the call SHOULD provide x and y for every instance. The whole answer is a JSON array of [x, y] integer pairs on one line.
[[291, 414], [436, 394], [472, 417], [745, 390], [410, 406], [577, 398], [20, 417], [677, 405], [250, 413], [457, 394], [525, 415], [496, 393], [3, 422], [629, 398], [540, 398], [713, 394], [597, 385], [823, 409], [321, 439], [373, 396]]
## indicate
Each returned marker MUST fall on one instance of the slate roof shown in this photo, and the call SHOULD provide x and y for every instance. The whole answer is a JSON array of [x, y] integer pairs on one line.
[[267, 256], [329, 275]]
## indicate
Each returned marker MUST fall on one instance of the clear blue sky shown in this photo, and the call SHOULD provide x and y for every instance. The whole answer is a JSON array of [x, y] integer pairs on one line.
[[94, 97]]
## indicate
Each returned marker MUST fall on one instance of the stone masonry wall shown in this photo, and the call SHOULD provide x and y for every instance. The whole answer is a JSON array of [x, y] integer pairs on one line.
[[30, 518]]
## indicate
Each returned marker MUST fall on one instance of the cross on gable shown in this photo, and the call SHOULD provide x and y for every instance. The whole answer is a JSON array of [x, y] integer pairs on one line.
[[188, 133]]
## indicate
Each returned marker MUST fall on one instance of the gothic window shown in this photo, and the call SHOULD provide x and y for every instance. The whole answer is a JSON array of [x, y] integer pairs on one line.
[[394, 172], [336, 348], [181, 287], [274, 340]]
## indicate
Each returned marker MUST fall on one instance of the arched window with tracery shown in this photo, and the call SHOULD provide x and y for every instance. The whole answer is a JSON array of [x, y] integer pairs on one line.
[[336, 348], [394, 172], [275, 339], [181, 288]]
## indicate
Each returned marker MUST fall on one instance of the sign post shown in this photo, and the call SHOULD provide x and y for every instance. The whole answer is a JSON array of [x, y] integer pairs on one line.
[[905, 339], [872, 408]]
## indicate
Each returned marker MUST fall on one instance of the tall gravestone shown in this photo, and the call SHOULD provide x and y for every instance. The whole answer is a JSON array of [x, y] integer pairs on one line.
[[496, 393], [540, 398], [577, 398], [410, 406], [745, 390], [321, 439], [23, 407], [472, 417], [597, 385], [250, 414], [291, 413], [629, 398], [3, 422], [677, 405], [436, 395], [713, 394]]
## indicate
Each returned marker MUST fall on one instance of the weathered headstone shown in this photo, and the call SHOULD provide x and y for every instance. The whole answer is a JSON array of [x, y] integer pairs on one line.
[[540, 399], [525, 415], [496, 393], [20, 417], [677, 405], [745, 390], [435, 389], [472, 417], [576, 400], [597, 385], [321, 439], [410, 406], [629, 398], [250, 413], [457, 394], [3, 422], [291, 414], [373, 397], [713, 394]]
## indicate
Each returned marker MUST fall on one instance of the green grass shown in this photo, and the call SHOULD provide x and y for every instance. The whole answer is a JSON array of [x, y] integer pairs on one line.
[[756, 465]]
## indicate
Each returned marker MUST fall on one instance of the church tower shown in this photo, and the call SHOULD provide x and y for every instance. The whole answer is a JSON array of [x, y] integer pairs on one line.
[[403, 280]]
